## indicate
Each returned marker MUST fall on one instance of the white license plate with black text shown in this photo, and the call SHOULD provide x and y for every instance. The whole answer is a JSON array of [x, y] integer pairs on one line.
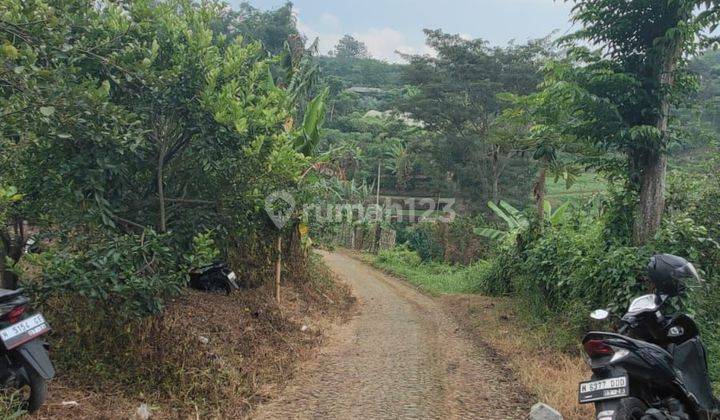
[[24, 331], [604, 389]]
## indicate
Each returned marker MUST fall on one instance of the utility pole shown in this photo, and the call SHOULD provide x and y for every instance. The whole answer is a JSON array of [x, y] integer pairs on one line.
[[377, 197], [376, 243]]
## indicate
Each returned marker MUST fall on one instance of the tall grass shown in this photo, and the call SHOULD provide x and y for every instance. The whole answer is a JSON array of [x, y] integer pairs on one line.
[[431, 277]]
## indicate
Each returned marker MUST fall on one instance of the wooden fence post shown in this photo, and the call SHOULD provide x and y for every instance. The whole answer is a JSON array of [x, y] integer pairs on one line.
[[278, 268]]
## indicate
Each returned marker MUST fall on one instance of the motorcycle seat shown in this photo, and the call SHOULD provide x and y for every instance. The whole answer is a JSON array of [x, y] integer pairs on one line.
[[6, 294]]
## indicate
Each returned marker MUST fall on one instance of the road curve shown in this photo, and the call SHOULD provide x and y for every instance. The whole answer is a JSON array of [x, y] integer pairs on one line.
[[401, 356]]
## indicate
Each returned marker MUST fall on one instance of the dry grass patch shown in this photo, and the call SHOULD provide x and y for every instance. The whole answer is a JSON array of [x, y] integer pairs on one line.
[[207, 356], [551, 375]]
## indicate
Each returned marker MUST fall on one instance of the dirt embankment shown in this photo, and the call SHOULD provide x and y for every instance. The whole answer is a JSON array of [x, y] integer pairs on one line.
[[207, 356]]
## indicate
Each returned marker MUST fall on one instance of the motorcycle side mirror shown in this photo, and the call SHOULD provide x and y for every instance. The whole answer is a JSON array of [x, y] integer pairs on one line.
[[600, 314]]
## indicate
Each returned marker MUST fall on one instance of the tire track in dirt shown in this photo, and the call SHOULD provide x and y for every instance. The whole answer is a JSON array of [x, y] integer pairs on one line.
[[401, 356]]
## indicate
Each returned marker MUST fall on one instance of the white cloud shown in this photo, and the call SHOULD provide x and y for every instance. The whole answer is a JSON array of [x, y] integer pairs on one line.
[[330, 21], [381, 43], [384, 44], [327, 39]]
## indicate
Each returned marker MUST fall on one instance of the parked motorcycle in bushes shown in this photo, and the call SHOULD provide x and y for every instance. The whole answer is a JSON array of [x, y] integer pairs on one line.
[[217, 277], [655, 366], [24, 361]]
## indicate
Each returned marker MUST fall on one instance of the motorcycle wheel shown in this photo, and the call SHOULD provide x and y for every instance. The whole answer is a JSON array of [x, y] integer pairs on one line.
[[629, 408], [38, 391]]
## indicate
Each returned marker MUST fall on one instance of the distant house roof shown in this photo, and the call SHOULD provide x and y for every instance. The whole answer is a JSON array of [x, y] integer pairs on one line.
[[364, 90], [400, 116]]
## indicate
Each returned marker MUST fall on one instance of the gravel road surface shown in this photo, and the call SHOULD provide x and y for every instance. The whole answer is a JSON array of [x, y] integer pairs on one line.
[[401, 356]]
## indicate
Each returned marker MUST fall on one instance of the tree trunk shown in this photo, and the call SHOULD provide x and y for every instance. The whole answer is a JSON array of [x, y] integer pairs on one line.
[[539, 191], [11, 247], [4, 280], [161, 191], [653, 166], [652, 198], [495, 166]]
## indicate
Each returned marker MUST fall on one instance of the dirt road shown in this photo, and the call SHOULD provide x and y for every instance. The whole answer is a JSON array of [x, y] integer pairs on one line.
[[399, 357]]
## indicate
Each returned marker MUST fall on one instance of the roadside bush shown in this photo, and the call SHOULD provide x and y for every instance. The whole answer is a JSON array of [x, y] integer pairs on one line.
[[124, 276], [401, 255], [496, 280], [454, 242], [573, 264], [424, 239], [561, 272]]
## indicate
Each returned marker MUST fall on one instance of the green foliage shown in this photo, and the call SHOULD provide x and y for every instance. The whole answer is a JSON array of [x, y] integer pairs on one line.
[[456, 95], [432, 277], [565, 270], [342, 74], [204, 250], [618, 97], [349, 47], [312, 123], [424, 240], [130, 274], [8, 196], [142, 117], [515, 220], [273, 28]]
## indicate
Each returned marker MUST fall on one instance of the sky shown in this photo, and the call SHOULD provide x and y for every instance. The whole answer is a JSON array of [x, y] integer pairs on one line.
[[390, 25]]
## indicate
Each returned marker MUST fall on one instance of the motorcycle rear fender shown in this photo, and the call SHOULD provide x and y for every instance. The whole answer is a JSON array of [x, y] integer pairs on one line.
[[34, 355]]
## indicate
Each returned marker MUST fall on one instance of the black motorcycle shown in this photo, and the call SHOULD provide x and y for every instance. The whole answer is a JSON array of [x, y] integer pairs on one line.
[[24, 361], [655, 367], [216, 277]]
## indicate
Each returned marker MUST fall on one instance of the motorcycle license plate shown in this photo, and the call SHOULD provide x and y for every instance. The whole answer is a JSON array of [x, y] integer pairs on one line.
[[24, 331], [604, 389]]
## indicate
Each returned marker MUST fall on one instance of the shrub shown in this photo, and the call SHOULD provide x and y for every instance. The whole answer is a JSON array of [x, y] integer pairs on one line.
[[453, 242], [126, 276], [204, 251], [424, 239], [400, 255], [499, 273]]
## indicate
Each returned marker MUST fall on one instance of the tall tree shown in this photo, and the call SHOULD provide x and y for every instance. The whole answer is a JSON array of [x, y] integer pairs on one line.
[[645, 44], [272, 27], [349, 47], [456, 96]]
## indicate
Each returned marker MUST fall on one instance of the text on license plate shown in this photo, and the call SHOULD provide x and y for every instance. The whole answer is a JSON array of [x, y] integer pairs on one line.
[[604, 389], [20, 332]]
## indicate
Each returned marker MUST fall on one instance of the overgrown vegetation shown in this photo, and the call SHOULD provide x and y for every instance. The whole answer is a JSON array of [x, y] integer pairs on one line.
[[140, 139]]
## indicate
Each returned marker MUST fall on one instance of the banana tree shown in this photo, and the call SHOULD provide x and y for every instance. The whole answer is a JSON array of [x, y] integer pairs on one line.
[[517, 221], [400, 164], [313, 120]]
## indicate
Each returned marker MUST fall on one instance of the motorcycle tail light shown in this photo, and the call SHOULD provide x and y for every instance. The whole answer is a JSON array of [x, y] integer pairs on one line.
[[597, 348], [14, 315]]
